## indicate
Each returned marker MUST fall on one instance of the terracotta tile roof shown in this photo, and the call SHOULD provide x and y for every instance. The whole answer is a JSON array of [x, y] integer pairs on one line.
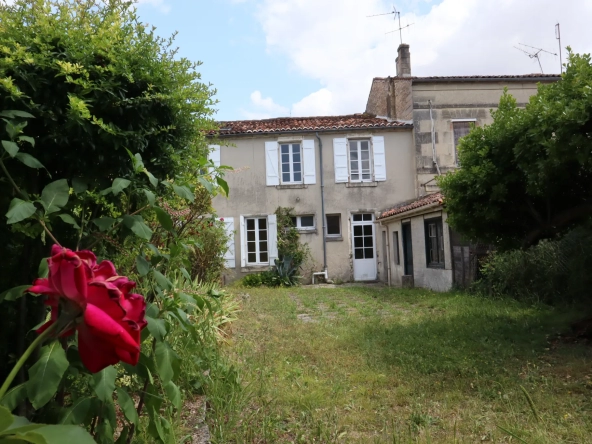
[[323, 123], [493, 78], [412, 205]]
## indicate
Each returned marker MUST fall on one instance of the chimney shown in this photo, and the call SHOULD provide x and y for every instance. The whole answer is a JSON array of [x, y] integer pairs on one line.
[[403, 61]]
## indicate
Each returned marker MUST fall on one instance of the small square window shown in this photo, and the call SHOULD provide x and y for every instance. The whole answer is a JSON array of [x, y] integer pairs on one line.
[[334, 225]]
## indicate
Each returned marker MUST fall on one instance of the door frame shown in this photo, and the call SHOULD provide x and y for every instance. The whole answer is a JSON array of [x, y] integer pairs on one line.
[[374, 249], [407, 248]]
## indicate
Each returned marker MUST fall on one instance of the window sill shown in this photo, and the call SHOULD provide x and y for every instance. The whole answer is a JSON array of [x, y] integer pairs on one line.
[[333, 238], [295, 186], [307, 230], [250, 268], [360, 184], [436, 267]]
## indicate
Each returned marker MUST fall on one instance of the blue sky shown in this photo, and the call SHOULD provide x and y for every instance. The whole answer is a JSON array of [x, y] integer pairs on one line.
[[270, 58]]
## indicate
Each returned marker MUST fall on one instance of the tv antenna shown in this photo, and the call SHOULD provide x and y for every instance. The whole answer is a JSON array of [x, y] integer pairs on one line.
[[534, 55], [558, 37], [396, 15]]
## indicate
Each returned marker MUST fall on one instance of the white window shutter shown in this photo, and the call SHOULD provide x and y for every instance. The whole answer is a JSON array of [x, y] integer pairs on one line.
[[272, 236], [271, 163], [340, 160], [379, 158], [243, 242], [229, 255], [309, 161], [215, 154]]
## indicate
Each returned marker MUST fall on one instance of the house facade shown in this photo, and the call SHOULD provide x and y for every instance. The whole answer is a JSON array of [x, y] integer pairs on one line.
[[422, 250], [336, 172]]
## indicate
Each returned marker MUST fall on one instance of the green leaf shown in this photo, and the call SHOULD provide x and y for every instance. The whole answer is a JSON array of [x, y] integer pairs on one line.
[[5, 418], [14, 396], [80, 185], [138, 227], [153, 180], [123, 435], [185, 273], [54, 434], [77, 412], [14, 293], [19, 210], [55, 195], [173, 393], [103, 383], [27, 139], [142, 265], [104, 223], [105, 191], [150, 196], [184, 192], [166, 360], [46, 374], [12, 113], [162, 280], [127, 405], [10, 147], [29, 160], [223, 184], [69, 220], [164, 218], [157, 328], [119, 185], [43, 269]]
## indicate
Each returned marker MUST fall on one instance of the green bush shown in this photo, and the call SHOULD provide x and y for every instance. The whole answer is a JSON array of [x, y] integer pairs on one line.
[[553, 271]]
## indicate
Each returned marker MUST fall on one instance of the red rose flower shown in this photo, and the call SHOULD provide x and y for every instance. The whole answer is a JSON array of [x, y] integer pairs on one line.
[[221, 219], [96, 302]]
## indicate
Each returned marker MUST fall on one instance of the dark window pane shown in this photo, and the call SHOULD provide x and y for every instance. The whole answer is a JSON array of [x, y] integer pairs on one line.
[[262, 224], [353, 155], [369, 253], [285, 149], [355, 177], [358, 231], [263, 235], [367, 216], [293, 221], [333, 225], [250, 224], [296, 147], [252, 257], [368, 241], [263, 247], [251, 247], [354, 165], [365, 156], [358, 253], [367, 230], [296, 157], [286, 159], [358, 242], [297, 177], [250, 236], [264, 257], [357, 217], [286, 177], [297, 167], [307, 221], [366, 176], [364, 145]]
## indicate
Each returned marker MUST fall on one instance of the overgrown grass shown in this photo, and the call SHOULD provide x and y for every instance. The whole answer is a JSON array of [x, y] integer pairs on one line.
[[370, 364]]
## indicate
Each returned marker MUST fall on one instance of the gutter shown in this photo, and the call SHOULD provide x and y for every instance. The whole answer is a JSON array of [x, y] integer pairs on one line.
[[413, 212], [324, 272], [488, 79], [306, 130], [434, 158]]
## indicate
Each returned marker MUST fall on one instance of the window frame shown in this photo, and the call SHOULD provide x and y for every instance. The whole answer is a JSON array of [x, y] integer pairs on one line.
[[333, 236], [439, 242], [454, 141], [257, 241], [298, 224], [291, 162], [396, 252], [359, 160]]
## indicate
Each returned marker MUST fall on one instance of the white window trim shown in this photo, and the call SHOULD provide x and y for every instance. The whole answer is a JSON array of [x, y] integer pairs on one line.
[[299, 220], [463, 120], [257, 240], [291, 163], [272, 249], [337, 236], [370, 159]]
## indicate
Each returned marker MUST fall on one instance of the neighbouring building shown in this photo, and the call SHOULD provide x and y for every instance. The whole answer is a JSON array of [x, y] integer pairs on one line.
[[336, 172], [422, 250]]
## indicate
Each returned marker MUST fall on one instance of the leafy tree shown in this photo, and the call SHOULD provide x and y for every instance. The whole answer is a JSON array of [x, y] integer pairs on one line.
[[528, 175]]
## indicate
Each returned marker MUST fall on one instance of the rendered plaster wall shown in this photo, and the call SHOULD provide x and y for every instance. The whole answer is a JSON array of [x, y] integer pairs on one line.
[[250, 196], [437, 279]]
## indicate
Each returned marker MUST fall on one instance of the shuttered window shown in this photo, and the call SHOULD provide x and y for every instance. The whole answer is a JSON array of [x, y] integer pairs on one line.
[[291, 161]]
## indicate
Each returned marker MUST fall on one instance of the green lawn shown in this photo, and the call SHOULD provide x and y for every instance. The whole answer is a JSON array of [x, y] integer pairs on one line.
[[371, 365]]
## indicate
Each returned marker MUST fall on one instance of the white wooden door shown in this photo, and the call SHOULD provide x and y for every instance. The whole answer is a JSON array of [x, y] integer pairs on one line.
[[363, 247]]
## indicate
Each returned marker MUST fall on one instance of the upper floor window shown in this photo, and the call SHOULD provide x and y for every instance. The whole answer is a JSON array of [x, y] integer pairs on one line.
[[360, 169], [434, 243], [359, 160], [460, 129], [291, 161]]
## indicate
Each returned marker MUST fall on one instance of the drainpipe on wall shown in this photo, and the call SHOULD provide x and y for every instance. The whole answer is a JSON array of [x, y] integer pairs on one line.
[[324, 272], [434, 158]]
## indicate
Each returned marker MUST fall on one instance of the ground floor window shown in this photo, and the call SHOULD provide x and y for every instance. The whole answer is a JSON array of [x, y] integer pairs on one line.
[[304, 222], [334, 225], [257, 240], [434, 243]]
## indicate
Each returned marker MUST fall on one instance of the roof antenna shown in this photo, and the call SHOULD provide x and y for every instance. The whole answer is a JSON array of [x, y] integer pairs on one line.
[[534, 55], [397, 15], [558, 37]]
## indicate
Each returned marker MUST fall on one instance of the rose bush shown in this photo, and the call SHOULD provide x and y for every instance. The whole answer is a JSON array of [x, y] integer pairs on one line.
[[93, 300]]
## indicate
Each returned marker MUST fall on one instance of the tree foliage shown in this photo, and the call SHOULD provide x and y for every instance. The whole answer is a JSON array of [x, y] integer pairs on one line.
[[528, 175]]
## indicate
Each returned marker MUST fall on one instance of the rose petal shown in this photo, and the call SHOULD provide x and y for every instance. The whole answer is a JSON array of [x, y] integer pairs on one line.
[[104, 271], [101, 325], [42, 286], [106, 297], [94, 352]]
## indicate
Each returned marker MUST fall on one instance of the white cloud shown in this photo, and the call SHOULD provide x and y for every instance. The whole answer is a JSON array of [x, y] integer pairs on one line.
[[264, 107], [335, 44], [161, 5]]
